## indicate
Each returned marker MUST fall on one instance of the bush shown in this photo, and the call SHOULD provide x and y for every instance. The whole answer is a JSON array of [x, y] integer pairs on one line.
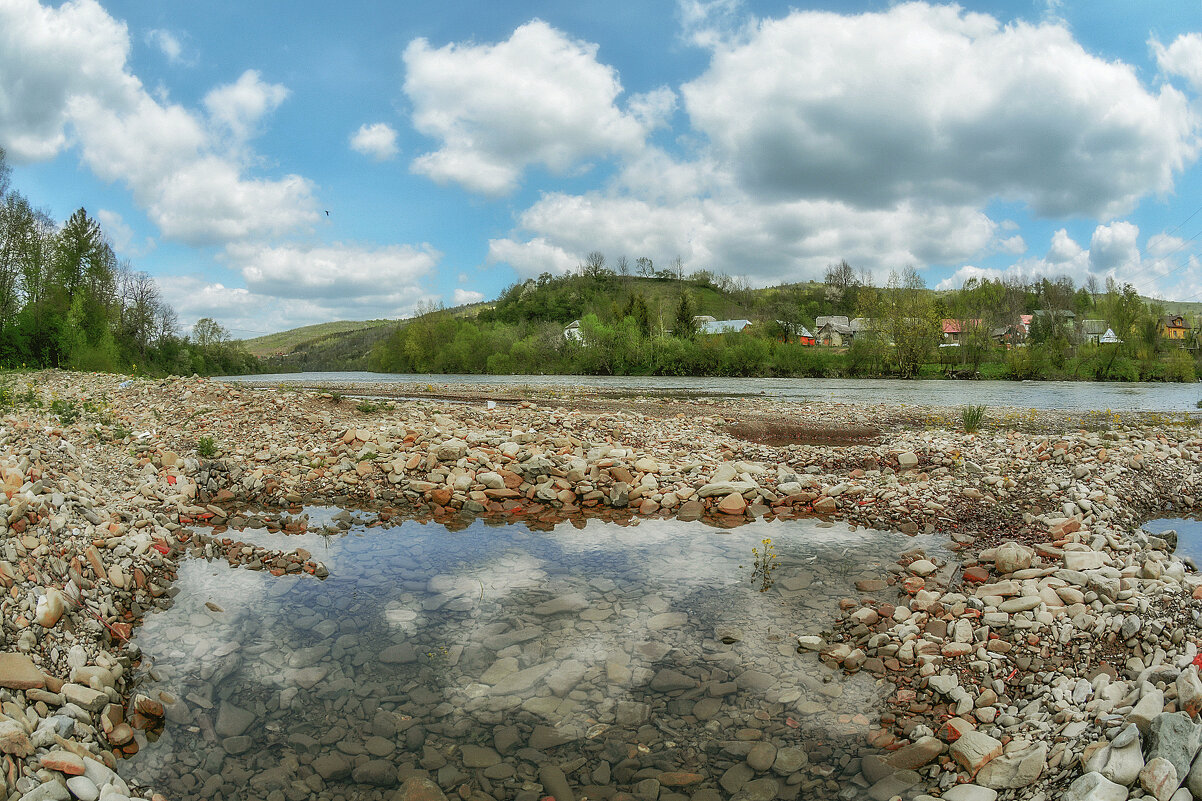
[[1021, 365], [1179, 366], [206, 448]]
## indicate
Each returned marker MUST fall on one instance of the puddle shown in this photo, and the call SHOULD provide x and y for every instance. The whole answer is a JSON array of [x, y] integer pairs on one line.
[[1189, 535], [648, 659]]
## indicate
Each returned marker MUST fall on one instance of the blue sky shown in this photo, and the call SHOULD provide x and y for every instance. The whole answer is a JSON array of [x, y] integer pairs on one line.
[[460, 146]]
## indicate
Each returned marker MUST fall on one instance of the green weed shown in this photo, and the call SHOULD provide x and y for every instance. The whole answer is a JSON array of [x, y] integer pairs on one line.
[[971, 417]]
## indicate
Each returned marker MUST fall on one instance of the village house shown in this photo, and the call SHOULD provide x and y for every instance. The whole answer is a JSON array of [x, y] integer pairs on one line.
[[1174, 328], [572, 332], [1092, 330], [833, 331], [1015, 334], [955, 332]]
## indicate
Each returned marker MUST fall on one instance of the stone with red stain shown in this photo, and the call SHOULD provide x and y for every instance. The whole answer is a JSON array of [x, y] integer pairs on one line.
[[64, 762], [954, 729], [441, 496], [976, 575]]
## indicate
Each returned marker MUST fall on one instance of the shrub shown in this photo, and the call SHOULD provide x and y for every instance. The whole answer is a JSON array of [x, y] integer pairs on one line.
[[206, 447], [971, 417], [1179, 366], [367, 407]]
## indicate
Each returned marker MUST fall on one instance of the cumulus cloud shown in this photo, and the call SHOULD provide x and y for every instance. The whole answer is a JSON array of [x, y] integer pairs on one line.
[[377, 140], [64, 79], [378, 275], [245, 313], [966, 273], [237, 109], [531, 257], [167, 43], [1114, 249], [880, 138], [935, 102], [537, 98], [1065, 250], [464, 296], [767, 242], [292, 285], [1182, 58]]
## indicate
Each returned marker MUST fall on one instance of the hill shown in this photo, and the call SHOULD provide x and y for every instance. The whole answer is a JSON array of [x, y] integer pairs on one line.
[[283, 342]]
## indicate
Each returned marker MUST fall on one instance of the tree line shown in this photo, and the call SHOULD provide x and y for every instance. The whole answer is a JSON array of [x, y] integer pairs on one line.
[[642, 322], [67, 301]]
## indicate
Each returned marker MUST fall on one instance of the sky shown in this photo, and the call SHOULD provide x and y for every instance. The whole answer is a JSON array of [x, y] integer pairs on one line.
[[277, 164]]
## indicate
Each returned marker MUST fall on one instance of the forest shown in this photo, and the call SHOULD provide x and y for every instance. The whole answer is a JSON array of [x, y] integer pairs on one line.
[[67, 301]]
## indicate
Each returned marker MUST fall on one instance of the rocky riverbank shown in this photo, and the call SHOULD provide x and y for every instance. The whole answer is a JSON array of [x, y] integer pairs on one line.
[[1015, 669]]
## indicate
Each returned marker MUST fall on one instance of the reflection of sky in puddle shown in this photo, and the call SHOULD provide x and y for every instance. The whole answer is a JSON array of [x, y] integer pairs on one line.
[[648, 595], [1189, 535]]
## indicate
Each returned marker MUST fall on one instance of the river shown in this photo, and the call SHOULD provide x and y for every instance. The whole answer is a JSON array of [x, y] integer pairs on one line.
[[1046, 395]]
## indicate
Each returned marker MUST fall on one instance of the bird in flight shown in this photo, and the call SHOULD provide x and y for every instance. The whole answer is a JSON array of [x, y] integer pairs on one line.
[[327, 212]]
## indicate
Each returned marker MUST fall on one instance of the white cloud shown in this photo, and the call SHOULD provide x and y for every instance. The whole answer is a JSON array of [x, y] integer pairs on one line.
[[934, 102], [377, 140], [292, 285], [381, 275], [1114, 249], [1064, 250], [464, 296], [64, 79], [537, 98], [532, 257], [710, 23], [1012, 244], [236, 109], [767, 242], [1182, 58], [167, 43], [968, 271], [1162, 245], [879, 138]]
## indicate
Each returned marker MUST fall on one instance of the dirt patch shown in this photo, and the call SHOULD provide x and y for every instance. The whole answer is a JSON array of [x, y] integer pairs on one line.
[[780, 433]]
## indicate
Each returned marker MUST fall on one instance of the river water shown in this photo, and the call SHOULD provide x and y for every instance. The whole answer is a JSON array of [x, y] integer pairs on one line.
[[658, 659], [1069, 395]]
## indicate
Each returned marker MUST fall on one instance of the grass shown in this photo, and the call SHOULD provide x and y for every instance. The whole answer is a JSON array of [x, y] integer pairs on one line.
[[971, 417]]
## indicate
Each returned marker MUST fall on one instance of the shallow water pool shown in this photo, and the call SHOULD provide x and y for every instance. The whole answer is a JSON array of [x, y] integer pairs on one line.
[[657, 659]]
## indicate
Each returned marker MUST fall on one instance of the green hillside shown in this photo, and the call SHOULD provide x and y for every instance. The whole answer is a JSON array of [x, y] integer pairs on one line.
[[284, 342]]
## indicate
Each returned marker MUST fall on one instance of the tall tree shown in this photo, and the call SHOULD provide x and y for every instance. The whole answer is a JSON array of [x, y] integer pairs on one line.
[[910, 319], [684, 325]]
